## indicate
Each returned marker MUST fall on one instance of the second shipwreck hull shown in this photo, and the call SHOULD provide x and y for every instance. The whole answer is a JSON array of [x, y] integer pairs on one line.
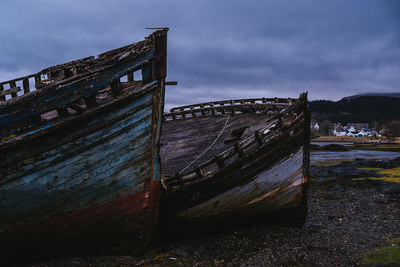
[[236, 159], [79, 155]]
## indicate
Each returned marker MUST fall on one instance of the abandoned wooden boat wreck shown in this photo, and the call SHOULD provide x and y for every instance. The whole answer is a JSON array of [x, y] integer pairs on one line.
[[235, 160], [79, 153]]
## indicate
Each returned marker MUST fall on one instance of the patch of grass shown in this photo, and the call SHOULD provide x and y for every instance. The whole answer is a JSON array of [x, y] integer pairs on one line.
[[382, 256], [391, 172], [388, 175]]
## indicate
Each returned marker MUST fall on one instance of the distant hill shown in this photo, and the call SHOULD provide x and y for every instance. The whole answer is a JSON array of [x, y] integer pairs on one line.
[[372, 94], [358, 108]]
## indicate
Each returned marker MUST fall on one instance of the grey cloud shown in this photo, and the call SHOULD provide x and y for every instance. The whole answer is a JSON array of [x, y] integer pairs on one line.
[[220, 49]]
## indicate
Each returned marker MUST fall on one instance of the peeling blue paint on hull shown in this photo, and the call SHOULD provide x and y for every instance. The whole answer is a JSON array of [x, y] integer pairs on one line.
[[114, 164]]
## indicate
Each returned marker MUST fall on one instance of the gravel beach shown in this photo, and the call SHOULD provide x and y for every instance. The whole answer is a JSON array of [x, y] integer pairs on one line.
[[347, 218]]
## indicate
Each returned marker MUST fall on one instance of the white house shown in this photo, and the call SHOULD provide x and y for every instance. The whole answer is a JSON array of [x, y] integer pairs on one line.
[[339, 130]]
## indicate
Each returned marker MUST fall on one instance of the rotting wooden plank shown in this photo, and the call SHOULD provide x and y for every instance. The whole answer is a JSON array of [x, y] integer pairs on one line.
[[201, 128], [44, 100], [239, 172], [80, 139], [96, 111], [249, 141], [272, 101]]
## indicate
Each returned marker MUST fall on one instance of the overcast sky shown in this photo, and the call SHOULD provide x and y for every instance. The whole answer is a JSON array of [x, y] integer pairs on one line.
[[220, 49]]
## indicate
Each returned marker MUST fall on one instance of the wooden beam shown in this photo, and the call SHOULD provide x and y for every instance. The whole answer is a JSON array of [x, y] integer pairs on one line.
[[171, 83]]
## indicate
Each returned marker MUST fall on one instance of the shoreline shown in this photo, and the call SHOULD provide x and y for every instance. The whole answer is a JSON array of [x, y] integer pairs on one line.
[[347, 139]]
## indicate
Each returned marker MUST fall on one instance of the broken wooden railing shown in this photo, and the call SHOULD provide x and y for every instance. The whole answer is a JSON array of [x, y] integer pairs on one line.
[[255, 105], [293, 115], [78, 85]]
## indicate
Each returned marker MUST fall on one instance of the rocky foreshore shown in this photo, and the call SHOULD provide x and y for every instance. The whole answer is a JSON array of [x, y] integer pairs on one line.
[[353, 210]]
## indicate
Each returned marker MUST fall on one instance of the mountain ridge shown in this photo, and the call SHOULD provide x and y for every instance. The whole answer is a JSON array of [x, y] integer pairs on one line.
[[369, 108]]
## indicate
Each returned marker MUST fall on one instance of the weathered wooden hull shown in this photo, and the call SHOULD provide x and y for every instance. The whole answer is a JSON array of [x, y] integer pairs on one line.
[[278, 187], [82, 175], [265, 177], [88, 183]]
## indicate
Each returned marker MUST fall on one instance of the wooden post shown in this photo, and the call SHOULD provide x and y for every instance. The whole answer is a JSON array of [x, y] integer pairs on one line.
[[25, 84], [238, 149], [90, 101], [178, 178], [130, 77], [12, 85], [74, 70], [147, 75], [279, 117], [116, 88], [219, 161], [2, 98], [258, 137], [159, 70], [37, 78], [199, 172]]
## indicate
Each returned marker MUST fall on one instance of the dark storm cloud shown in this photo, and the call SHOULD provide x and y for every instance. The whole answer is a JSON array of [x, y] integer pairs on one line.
[[220, 49]]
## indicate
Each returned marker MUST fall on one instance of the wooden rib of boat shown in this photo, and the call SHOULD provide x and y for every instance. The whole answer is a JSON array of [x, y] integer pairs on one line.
[[236, 160], [79, 153]]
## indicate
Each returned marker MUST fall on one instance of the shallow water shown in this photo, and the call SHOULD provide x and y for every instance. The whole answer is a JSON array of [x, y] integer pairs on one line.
[[331, 143], [333, 157]]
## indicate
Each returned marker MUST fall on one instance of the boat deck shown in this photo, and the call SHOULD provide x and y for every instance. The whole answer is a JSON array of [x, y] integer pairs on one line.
[[185, 140]]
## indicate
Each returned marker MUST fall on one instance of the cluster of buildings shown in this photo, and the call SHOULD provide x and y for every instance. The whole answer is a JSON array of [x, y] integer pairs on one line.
[[351, 129]]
